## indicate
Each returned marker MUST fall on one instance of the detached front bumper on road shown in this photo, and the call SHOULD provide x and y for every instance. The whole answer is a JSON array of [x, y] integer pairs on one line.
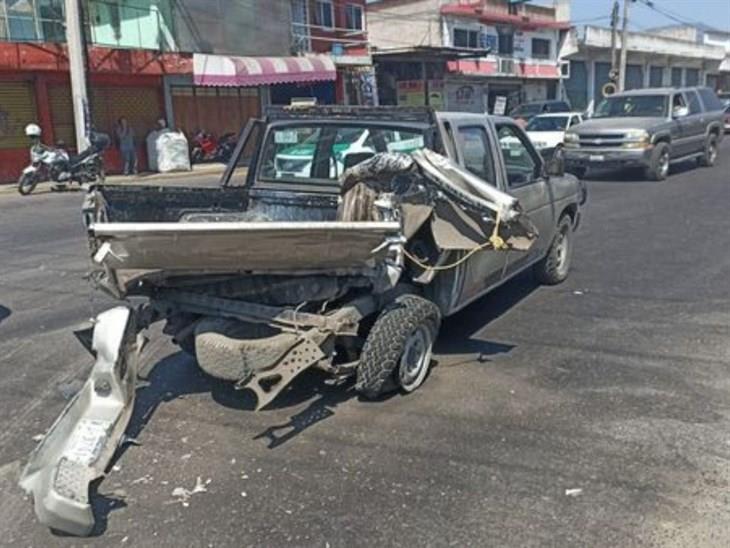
[[81, 443], [611, 157]]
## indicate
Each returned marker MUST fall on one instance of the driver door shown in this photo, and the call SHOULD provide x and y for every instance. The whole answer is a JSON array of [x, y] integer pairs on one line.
[[681, 128]]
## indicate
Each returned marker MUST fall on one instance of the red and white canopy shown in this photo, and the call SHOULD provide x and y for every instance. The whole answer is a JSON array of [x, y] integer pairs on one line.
[[223, 70]]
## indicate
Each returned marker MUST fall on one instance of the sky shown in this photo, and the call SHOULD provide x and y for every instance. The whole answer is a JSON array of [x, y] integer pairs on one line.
[[715, 13]]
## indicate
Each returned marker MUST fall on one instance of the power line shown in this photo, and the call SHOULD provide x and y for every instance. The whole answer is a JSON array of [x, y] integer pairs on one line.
[[673, 16]]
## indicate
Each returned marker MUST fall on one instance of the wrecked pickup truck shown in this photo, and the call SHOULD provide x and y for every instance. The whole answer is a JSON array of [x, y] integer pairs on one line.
[[323, 255]]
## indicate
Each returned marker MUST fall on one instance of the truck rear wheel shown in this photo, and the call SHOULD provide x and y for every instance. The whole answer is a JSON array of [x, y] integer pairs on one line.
[[658, 167], [555, 266], [710, 153], [397, 352]]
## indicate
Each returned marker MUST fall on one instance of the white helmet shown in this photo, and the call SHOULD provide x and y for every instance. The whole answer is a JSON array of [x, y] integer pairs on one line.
[[33, 130]]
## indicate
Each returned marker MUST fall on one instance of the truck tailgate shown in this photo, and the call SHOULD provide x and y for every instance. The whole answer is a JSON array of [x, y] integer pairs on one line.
[[241, 246]]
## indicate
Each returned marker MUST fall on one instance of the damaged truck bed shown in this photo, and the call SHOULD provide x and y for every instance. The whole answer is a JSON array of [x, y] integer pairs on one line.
[[354, 233]]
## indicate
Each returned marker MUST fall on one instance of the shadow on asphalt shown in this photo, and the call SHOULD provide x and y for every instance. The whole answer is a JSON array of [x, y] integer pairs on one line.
[[101, 506], [4, 313], [458, 332]]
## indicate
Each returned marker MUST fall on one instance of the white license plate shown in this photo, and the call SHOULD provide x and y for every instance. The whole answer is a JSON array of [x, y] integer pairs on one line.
[[596, 157]]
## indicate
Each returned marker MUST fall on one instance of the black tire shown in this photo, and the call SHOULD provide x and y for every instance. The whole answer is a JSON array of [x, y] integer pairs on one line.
[[710, 153], [26, 184], [187, 344], [555, 266], [381, 357], [658, 167]]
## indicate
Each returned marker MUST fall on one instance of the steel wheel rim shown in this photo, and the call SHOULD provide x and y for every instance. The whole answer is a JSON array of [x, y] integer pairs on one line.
[[562, 249], [664, 164], [415, 358], [712, 152]]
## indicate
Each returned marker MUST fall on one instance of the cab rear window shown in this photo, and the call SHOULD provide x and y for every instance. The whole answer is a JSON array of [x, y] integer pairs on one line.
[[323, 152]]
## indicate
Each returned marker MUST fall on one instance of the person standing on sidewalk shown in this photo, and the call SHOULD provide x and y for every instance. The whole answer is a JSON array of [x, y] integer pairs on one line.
[[125, 141]]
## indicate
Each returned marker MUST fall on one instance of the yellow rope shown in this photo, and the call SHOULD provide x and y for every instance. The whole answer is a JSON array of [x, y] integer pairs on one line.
[[495, 241]]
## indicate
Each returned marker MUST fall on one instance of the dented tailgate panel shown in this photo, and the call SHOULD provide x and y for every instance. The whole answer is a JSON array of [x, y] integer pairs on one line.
[[242, 246]]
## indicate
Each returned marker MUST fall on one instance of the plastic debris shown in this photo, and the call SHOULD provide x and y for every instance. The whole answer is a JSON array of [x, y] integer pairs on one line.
[[183, 495], [573, 492], [38, 437]]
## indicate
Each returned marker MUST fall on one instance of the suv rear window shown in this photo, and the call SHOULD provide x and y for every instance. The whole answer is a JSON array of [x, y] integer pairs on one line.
[[322, 152], [710, 99]]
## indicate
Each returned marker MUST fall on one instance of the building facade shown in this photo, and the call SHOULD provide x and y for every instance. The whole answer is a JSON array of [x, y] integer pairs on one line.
[[653, 60], [151, 59], [466, 55], [702, 34]]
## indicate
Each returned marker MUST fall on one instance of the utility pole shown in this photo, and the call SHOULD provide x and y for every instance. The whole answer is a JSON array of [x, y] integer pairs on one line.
[[624, 47], [77, 69], [614, 39]]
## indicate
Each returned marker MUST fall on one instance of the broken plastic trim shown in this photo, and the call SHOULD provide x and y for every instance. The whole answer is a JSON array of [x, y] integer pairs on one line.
[[81, 443]]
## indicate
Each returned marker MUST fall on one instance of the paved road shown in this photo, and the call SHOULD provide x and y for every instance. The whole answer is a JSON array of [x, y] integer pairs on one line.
[[616, 383]]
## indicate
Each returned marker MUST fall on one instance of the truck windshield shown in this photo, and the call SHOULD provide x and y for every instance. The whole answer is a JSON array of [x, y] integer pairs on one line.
[[650, 106], [323, 152], [548, 123]]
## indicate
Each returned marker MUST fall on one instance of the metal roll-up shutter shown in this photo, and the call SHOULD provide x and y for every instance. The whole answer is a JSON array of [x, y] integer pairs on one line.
[[17, 109], [62, 114], [141, 106]]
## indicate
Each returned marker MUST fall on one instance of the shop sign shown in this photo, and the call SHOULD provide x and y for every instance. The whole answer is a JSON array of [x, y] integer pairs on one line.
[[500, 105], [411, 93], [465, 97], [436, 94]]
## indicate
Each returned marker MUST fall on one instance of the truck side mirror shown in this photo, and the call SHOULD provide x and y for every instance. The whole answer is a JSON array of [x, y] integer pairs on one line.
[[555, 165]]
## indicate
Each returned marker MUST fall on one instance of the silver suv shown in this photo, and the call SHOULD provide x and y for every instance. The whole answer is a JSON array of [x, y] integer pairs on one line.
[[648, 128]]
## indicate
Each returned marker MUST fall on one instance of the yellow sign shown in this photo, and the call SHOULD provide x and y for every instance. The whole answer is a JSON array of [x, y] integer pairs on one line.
[[411, 93]]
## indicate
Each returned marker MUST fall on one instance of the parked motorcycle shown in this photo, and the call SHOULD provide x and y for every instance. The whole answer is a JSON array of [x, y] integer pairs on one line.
[[206, 148], [60, 167]]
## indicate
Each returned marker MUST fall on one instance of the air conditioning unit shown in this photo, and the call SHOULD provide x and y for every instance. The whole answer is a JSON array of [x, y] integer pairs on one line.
[[506, 66]]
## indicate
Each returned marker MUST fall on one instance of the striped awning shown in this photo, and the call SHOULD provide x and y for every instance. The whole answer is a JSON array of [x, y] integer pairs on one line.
[[223, 70]]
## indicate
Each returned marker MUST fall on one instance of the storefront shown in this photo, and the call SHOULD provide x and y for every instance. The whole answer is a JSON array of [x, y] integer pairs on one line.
[[35, 87], [17, 107], [453, 79]]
